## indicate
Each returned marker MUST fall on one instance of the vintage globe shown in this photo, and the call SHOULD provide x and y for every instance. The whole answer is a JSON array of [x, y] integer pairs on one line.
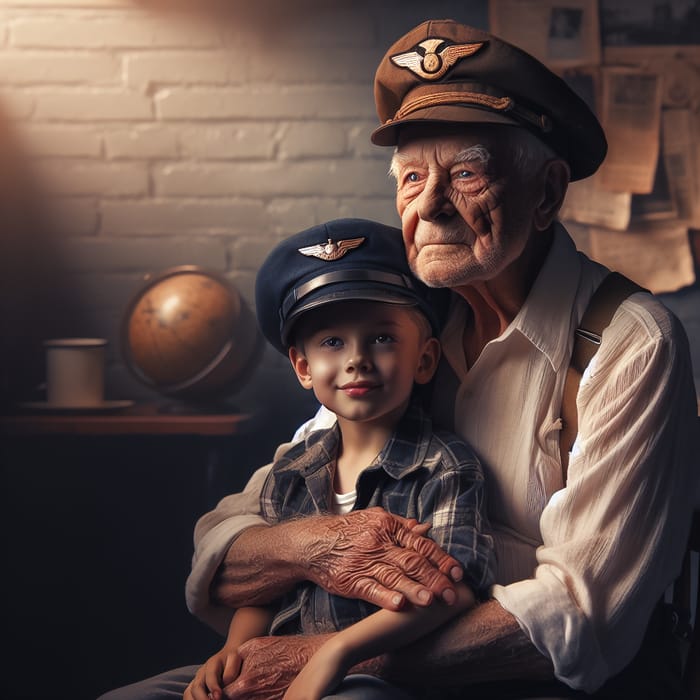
[[188, 333]]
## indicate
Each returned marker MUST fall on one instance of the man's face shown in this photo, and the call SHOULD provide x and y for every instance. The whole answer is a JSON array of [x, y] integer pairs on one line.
[[466, 211]]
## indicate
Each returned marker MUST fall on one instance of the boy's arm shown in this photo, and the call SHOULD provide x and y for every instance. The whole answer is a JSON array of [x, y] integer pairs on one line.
[[247, 623], [380, 632], [224, 666]]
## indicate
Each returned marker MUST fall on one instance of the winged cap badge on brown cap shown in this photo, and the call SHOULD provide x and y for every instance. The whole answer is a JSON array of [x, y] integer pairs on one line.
[[331, 250], [429, 63]]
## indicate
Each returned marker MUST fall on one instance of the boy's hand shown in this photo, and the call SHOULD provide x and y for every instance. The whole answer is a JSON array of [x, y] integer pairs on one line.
[[207, 684]]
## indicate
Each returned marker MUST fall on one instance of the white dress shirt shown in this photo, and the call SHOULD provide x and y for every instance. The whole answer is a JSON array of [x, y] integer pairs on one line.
[[580, 566]]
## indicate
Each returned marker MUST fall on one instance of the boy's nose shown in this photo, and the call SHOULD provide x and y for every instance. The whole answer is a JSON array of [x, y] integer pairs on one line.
[[358, 359]]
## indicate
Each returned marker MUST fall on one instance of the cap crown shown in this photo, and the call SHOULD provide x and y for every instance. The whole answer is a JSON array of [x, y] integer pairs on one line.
[[341, 260], [443, 71]]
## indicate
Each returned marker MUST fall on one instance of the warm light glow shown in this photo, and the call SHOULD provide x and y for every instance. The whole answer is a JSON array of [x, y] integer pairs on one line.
[[169, 307]]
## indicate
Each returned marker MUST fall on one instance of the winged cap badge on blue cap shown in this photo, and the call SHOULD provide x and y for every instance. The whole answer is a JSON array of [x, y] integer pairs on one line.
[[331, 250], [430, 64]]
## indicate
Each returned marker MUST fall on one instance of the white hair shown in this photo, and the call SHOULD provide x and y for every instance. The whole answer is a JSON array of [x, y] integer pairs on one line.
[[528, 153]]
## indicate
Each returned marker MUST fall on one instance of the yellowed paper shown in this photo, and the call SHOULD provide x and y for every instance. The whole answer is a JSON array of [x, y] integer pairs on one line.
[[560, 33], [679, 152], [656, 256], [588, 203], [631, 116], [659, 203]]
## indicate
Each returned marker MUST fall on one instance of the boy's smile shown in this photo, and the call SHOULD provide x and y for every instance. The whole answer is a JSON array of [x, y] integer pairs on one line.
[[358, 389], [361, 358]]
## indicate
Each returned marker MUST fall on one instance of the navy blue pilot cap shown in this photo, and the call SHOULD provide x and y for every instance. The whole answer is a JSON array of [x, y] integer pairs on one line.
[[341, 260]]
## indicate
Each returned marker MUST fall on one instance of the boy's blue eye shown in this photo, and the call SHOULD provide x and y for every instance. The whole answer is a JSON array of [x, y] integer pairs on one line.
[[332, 342], [384, 338]]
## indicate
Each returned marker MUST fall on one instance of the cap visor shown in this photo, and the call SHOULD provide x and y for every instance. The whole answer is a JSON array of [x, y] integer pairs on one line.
[[369, 294], [388, 135]]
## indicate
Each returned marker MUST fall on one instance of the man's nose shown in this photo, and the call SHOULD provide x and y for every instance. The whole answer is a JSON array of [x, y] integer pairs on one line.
[[434, 201]]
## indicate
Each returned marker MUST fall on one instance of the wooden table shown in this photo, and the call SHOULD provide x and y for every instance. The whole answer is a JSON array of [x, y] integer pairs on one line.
[[140, 419]]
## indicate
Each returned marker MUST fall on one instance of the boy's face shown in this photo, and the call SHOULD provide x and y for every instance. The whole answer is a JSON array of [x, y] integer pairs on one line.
[[362, 358]]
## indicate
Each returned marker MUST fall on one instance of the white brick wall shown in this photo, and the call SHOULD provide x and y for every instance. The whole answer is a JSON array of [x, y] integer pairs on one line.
[[153, 137]]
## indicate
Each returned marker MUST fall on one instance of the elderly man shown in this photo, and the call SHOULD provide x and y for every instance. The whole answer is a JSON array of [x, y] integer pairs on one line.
[[487, 140]]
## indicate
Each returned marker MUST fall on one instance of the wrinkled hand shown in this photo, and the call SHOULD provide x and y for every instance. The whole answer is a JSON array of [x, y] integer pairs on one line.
[[270, 664], [377, 557]]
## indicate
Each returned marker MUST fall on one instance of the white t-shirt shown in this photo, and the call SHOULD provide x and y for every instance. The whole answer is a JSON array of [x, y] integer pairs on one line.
[[343, 503]]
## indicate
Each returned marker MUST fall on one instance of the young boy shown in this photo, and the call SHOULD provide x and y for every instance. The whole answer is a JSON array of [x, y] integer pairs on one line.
[[360, 331]]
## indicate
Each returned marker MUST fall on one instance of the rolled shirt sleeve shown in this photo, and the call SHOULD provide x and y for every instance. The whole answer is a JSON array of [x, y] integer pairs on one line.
[[213, 535]]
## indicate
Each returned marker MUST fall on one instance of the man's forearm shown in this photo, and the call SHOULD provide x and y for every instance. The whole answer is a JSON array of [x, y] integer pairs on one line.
[[482, 645], [258, 568]]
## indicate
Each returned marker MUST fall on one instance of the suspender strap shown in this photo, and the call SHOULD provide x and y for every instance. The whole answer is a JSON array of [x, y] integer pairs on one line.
[[613, 290]]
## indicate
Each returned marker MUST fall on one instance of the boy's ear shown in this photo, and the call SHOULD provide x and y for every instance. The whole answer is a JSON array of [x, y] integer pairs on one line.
[[301, 367], [428, 361]]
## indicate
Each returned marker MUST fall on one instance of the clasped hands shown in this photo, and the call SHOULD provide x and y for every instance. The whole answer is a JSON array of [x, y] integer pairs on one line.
[[368, 554]]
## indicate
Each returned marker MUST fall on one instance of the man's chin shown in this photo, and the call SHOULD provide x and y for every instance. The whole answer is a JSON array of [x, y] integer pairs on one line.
[[441, 273]]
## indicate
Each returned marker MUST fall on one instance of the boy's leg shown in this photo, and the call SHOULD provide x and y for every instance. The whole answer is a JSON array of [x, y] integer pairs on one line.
[[164, 686]]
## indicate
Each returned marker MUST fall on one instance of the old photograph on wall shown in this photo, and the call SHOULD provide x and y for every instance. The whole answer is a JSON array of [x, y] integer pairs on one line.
[[560, 33]]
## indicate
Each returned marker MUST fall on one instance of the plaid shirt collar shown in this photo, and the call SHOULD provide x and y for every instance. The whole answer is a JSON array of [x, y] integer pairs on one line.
[[403, 453]]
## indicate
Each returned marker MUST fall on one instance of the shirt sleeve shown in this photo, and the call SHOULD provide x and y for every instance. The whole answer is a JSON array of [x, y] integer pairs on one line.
[[213, 535], [216, 531], [613, 538], [453, 502]]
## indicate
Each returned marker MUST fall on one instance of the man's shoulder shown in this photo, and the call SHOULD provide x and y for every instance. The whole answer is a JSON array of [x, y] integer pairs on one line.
[[652, 320], [642, 308]]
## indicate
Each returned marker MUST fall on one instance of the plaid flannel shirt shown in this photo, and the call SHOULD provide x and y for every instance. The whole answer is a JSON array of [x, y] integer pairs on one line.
[[430, 476]]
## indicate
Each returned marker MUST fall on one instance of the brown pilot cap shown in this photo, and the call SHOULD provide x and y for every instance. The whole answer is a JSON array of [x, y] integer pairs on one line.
[[443, 71]]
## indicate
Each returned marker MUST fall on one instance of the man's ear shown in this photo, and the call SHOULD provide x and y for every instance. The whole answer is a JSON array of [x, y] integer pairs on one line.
[[555, 178], [428, 362], [301, 367]]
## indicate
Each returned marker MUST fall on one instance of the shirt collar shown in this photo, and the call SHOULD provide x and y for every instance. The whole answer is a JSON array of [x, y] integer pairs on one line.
[[404, 452], [546, 317]]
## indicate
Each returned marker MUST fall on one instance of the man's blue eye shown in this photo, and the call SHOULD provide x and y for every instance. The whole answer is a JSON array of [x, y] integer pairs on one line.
[[412, 177], [464, 173]]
